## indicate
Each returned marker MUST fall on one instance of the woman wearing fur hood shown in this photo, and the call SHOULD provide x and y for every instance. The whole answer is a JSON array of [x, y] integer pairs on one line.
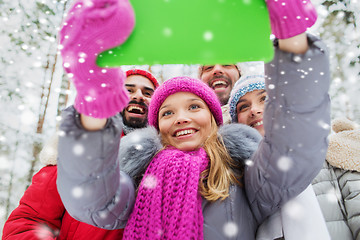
[[205, 182]]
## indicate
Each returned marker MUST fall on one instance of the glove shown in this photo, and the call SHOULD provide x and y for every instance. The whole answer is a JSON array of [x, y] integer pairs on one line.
[[290, 17], [91, 27]]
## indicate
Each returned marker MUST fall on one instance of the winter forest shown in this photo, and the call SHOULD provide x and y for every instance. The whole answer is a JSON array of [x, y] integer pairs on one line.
[[34, 88]]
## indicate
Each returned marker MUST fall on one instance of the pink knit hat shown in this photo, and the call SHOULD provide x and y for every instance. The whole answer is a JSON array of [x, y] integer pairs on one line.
[[143, 73], [184, 84]]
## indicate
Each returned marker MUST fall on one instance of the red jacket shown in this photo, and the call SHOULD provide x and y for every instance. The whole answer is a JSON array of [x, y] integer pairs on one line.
[[41, 215]]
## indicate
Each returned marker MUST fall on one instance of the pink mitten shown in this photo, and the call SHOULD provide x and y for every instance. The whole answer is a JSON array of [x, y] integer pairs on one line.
[[290, 17], [91, 27]]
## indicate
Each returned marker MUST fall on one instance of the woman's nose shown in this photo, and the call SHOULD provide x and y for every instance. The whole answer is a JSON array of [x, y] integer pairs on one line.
[[256, 109], [182, 118]]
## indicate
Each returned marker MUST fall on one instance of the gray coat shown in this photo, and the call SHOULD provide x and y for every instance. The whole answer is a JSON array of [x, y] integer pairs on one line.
[[338, 192], [95, 190]]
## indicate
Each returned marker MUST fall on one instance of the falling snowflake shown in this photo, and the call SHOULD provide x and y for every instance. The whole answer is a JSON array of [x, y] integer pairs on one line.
[[297, 59], [149, 182], [249, 162], [208, 36], [167, 32], [77, 192], [324, 125], [61, 133], [24, 46], [331, 196], [78, 149], [284, 163], [42, 231], [230, 229], [88, 3], [37, 64], [89, 98], [135, 137], [160, 232], [103, 214], [139, 147], [294, 210]]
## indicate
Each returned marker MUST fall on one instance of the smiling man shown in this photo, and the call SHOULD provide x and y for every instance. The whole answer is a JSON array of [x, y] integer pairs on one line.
[[141, 86], [221, 78]]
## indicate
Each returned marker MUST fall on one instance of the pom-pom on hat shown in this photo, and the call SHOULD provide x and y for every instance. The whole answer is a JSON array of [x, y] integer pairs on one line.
[[184, 84], [143, 73], [244, 85], [344, 145]]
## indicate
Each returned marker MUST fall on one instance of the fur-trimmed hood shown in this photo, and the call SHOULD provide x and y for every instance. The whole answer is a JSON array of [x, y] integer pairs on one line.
[[140, 146]]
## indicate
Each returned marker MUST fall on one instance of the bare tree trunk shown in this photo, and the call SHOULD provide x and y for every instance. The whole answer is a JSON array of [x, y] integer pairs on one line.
[[64, 96], [65, 84], [42, 113], [43, 105]]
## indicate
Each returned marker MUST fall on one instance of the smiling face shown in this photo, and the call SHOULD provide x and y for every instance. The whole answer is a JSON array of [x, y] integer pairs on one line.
[[221, 79], [140, 90], [184, 121], [250, 108]]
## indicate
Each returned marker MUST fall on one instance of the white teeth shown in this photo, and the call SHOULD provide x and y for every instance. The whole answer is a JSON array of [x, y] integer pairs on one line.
[[258, 124], [218, 82], [131, 108], [184, 132]]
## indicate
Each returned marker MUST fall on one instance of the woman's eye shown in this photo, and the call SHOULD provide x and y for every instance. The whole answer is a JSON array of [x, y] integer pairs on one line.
[[166, 113], [242, 108], [194, 106], [263, 98], [129, 90]]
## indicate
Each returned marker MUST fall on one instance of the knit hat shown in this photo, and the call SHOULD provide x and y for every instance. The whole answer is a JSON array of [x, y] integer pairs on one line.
[[344, 145], [244, 85], [143, 73], [184, 84]]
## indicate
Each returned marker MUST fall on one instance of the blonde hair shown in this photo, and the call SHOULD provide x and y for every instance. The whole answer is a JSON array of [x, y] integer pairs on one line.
[[222, 172]]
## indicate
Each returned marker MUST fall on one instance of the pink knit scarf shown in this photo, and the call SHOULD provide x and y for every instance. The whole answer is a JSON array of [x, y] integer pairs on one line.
[[168, 204]]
